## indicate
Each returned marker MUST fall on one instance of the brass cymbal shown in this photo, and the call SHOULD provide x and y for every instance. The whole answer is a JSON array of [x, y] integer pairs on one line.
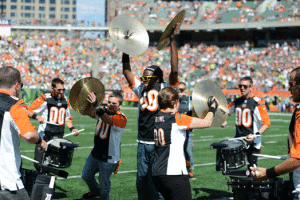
[[202, 91], [129, 35], [79, 93], [164, 40]]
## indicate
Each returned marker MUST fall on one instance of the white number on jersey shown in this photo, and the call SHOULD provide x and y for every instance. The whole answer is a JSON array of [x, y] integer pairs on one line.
[[57, 116], [149, 100], [159, 137], [103, 130], [243, 117]]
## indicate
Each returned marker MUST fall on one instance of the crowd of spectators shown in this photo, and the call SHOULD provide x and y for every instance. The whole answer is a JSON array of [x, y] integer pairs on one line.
[[41, 58]]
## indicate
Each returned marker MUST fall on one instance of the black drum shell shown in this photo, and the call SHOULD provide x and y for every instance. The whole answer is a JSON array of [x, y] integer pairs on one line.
[[234, 155], [59, 157], [247, 189]]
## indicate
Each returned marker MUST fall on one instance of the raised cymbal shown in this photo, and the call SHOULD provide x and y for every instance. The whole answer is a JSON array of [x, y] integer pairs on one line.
[[202, 91], [129, 35], [164, 40], [79, 93]]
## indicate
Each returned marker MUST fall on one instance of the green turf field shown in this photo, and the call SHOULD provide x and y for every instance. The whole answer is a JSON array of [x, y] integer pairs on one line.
[[209, 183]]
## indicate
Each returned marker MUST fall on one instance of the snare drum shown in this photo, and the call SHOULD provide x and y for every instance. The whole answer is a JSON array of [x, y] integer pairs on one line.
[[59, 153], [234, 155], [247, 189]]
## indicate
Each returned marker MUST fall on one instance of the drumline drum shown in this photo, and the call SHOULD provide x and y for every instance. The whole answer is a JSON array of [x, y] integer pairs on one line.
[[247, 189], [231, 157], [59, 153]]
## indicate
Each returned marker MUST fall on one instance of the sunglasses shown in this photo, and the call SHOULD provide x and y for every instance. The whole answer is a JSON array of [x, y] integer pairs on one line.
[[245, 86], [146, 78], [293, 83], [60, 90]]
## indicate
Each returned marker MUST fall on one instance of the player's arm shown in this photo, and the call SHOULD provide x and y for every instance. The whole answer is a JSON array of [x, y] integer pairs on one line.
[[37, 106], [173, 78], [264, 116], [99, 111], [265, 121], [22, 124], [37, 117], [285, 167], [71, 127], [127, 69], [197, 123]]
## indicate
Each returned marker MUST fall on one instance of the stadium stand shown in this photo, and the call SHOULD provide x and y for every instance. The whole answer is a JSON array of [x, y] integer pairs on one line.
[[72, 59]]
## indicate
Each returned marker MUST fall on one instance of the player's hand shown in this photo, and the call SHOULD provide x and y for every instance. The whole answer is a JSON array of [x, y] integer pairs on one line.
[[176, 30], [92, 98], [40, 119], [250, 138], [75, 132], [224, 124], [42, 146], [214, 102], [259, 173]]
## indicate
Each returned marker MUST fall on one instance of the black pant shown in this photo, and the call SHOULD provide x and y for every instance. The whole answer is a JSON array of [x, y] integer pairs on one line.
[[250, 151], [173, 187], [14, 195], [38, 156]]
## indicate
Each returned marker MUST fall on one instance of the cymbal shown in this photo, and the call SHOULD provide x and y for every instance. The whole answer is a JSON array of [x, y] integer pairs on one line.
[[164, 40], [129, 35], [202, 91], [79, 93]]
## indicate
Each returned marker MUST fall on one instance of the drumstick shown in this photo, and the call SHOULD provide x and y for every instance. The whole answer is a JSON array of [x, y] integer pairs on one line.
[[267, 156], [30, 159], [72, 133], [241, 138], [52, 123]]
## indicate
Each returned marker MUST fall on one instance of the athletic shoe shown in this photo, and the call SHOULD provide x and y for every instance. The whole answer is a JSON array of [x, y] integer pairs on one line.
[[88, 195], [191, 176]]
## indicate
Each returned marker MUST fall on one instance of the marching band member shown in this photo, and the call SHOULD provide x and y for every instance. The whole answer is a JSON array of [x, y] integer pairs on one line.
[[54, 108], [251, 118], [105, 156], [14, 124], [169, 172], [292, 164], [147, 90]]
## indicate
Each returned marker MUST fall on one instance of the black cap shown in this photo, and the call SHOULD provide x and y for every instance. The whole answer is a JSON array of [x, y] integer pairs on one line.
[[156, 72]]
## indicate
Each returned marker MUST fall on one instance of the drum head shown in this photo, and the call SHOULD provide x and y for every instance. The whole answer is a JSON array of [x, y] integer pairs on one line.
[[56, 142], [232, 145]]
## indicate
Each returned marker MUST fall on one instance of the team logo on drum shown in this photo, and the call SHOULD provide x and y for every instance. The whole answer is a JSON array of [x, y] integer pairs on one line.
[[244, 105]]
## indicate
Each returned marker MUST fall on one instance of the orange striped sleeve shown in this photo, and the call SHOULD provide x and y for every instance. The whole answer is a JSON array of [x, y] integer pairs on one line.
[[183, 120], [119, 120], [295, 150], [19, 115], [133, 85], [37, 103], [264, 113]]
